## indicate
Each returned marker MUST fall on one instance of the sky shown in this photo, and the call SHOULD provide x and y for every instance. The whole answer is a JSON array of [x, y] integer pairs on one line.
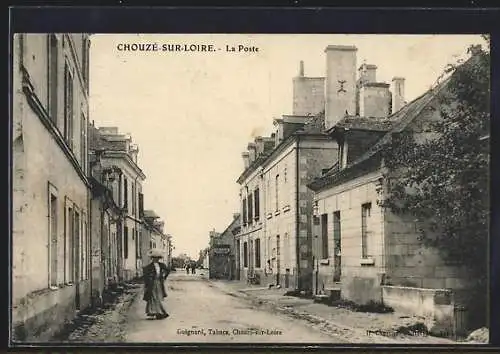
[[193, 113]]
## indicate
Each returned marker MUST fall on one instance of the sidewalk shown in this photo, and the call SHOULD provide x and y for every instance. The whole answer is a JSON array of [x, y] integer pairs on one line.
[[358, 327]]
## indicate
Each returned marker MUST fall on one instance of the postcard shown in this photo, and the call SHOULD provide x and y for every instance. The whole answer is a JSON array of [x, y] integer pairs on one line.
[[250, 188]]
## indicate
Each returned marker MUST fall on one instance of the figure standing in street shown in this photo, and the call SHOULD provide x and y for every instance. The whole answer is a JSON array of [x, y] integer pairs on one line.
[[193, 268], [187, 268], [155, 274]]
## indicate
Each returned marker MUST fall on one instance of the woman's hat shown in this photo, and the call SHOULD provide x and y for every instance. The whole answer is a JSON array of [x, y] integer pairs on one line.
[[156, 253]]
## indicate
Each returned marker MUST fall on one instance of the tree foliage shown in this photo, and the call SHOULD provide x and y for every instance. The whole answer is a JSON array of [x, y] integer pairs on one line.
[[443, 181]]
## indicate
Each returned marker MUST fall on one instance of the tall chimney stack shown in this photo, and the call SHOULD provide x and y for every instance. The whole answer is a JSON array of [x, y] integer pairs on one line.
[[340, 83], [398, 93], [367, 73], [252, 151], [301, 69], [374, 100], [246, 159]]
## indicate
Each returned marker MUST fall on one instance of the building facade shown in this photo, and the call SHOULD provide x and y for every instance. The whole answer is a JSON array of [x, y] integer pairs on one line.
[[154, 237], [275, 239], [374, 254], [51, 260], [222, 251], [121, 154]]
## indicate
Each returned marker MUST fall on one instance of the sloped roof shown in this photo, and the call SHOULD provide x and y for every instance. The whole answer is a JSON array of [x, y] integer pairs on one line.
[[235, 223], [312, 125], [151, 214], [399, 121], [99, 142], [365, 123]]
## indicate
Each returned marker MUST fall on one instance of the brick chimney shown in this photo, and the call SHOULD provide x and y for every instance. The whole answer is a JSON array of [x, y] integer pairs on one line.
[[398, 93], [340, 83], [367, 73], [259, 145], [246, 159], [374, 100], [252, 152], [308, 94]]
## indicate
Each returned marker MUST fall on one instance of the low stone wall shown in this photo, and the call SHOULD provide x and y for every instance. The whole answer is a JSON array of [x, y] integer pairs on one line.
[[361, 290], [435, 306]]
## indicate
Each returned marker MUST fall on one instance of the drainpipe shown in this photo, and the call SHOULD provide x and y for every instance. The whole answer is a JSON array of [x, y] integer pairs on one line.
[[385, 249], [297, 213], [119, 230], [91, 253], [137, 247]]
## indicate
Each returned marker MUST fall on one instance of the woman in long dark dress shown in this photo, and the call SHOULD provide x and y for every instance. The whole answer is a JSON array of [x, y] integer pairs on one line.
[[155, 274]]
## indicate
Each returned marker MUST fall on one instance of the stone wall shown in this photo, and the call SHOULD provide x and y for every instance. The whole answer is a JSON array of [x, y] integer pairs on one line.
[[314, 156], [435, 306], [360, 277]]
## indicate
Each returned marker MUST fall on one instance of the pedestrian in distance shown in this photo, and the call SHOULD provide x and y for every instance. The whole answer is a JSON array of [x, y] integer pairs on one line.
[[187, 268], [155, 274], [193, 268]]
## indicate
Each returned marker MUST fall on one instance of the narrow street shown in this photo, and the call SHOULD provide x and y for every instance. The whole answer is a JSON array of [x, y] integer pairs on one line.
[[201, 313]]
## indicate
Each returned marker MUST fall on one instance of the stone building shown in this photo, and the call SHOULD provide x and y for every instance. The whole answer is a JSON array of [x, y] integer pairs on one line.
[[275, 238], [222, 251], [154, 237], [50, 211], [365, 251], [121, 155]]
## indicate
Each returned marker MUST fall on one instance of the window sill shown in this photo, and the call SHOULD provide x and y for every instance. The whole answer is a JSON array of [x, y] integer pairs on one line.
[[325, 261], [367, 261], [269, 215], [286, 208], [277, 212]]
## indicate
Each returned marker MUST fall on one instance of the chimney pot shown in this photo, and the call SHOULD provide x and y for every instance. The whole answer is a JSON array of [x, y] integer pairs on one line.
[[301, 68]]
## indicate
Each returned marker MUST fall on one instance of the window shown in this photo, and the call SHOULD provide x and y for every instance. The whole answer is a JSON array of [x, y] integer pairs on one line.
[[245, 254], [125, 242], [52, 76], [52, 236], [85, 61], [278, 253], [244, 211], [257, 253], [336, 232], [324, 236], [250, 208], [68, 106], [132, 187], [365, 215], [83, 249], [141, 205], [257, 204], [276, 194], [137, 254], [125, 193], [238, 248], [139, 237], [77, 248], [69, 244], [83, 142]]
